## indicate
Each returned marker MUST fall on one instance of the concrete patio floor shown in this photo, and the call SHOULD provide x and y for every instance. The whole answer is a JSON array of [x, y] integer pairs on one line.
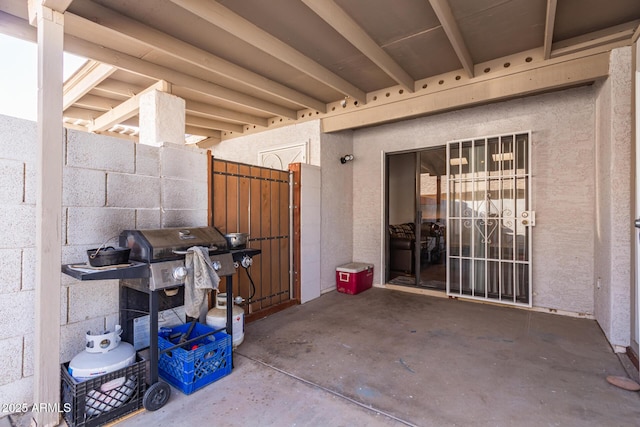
[[385, 357]]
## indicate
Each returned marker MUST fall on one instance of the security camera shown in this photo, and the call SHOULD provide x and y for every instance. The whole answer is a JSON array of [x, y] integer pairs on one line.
[[346, 158]]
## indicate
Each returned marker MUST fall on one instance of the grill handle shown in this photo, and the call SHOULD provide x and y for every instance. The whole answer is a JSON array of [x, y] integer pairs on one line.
[[211, 248]]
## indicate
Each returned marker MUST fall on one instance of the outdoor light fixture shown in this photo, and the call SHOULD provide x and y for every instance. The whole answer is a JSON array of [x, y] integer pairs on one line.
[[346, 158]]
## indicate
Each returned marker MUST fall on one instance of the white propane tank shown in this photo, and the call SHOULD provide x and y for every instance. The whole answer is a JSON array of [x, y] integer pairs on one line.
[[217, 318], [103, 353]]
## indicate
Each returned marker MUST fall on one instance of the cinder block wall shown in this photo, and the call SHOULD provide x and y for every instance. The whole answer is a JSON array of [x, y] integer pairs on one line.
[[109, 185]]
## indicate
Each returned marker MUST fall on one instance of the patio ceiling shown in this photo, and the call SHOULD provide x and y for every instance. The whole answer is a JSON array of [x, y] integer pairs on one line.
[[244, 66]]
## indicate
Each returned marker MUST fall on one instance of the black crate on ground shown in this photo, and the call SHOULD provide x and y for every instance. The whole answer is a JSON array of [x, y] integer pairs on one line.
[[97, 401]]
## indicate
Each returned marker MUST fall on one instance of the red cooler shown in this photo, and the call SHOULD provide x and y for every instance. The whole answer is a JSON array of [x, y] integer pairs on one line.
[[354, 278]]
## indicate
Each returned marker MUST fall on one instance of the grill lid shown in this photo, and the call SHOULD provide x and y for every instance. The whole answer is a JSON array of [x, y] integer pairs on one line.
[[160, 244]]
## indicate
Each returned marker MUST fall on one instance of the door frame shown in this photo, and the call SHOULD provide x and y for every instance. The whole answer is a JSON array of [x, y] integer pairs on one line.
[[417, 212]]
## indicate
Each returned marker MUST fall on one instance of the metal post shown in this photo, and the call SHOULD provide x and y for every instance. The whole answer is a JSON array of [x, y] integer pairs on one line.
[[230, 312], [153, 337]]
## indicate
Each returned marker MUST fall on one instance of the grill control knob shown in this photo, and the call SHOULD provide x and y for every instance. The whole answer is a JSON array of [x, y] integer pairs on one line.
[[216, 265], [180, 273]]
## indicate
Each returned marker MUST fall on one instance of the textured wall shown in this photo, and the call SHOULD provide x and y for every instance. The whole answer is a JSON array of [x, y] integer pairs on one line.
[[562, 126], [613, 179], [109, 185], [245, 149], [337, 206]]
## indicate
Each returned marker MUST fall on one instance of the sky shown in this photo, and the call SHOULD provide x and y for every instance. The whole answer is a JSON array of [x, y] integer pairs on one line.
[[19, 77]]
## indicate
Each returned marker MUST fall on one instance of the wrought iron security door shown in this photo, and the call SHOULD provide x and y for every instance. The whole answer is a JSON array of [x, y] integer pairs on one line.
[[489, 218]]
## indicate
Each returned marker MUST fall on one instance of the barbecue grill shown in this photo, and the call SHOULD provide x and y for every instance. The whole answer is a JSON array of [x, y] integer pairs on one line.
[[157, 263], [164, 249]]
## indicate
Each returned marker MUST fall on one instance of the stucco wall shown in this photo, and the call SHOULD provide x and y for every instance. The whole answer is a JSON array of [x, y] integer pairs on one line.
[[613, 179], [337, 206], [562, 125], [245, 149], [109, 185]]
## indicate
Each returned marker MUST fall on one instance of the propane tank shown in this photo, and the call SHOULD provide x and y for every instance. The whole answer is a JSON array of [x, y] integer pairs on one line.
[[217, 318], [103, 353]]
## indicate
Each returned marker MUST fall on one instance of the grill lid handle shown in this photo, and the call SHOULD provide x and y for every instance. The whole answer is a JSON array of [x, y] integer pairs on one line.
[[210, 248]]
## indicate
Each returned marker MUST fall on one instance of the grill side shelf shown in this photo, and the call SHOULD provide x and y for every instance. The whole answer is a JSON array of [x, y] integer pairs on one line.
[[133, 270]]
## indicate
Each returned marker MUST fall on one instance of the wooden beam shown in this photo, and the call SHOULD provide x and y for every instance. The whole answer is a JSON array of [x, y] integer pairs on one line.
[[213, 124], [162, 42], [622, 32], [559, 75], [195, 130], [200, 108], [220, 16], [19, 28], [636, 35], [92, 74], [450, 27], [335, 16], [82, 113], [550, 22], [16, 27], [87, 49], [205, 144], [34, 6], [57, 5], [117, 88], [46, 379], [96, 103], [124, 111]]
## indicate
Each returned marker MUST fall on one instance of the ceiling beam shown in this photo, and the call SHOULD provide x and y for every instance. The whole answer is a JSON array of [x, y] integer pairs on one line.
[[117, 88], [335, 16], [75, 24], [84, 80], [201, 108], [59, 6], [209, 142], [221, 17], [16, 27], [212, 124], [97, 103], [558, 75], [609, 35], [140, 33], [124, 111], [550, 22], [195, 130], [77, 113], [450, 27]]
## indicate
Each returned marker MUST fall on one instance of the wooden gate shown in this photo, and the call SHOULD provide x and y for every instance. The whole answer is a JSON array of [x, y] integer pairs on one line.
[[255, 200]]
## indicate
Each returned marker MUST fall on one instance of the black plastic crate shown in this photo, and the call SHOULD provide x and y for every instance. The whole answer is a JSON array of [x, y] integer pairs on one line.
[[97, 401]]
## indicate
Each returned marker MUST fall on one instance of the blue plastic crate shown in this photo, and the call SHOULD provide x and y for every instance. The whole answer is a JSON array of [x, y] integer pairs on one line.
[[190, 370]]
